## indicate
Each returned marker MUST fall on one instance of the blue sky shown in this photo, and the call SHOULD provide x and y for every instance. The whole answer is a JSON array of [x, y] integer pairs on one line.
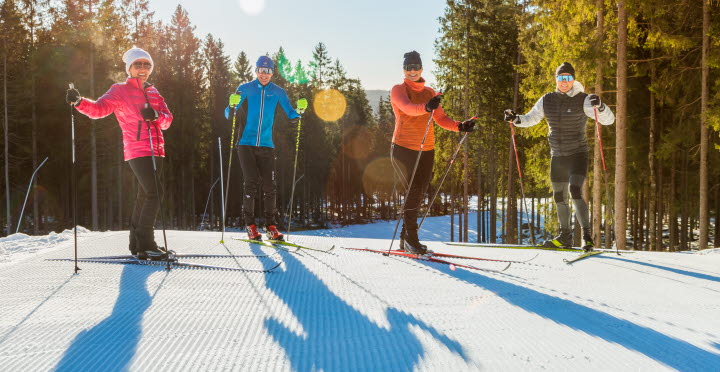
[[368, 36]]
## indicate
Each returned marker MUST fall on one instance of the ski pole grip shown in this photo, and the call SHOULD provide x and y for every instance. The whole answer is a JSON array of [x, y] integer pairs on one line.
[[71, 85]]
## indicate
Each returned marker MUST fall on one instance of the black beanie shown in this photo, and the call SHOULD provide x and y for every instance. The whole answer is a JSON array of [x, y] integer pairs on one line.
[[565, 68], [412, 58]]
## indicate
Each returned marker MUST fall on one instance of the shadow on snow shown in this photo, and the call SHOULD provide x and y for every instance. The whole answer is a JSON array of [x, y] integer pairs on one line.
[[670, 351], [337, 337], [666, 268], [111, 344]]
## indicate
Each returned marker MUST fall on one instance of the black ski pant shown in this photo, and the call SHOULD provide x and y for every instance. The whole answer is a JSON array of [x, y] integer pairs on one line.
[[258, 167], [567, 174], [403, 160], [147, 201]]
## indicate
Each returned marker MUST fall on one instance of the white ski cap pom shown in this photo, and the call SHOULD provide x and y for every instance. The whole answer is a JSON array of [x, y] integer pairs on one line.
[[132, 55]]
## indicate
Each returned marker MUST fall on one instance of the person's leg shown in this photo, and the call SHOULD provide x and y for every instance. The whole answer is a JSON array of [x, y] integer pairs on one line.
[[251, 186], [560, 180], [148, 202], [578, 172], [404, 160], [265, 157]]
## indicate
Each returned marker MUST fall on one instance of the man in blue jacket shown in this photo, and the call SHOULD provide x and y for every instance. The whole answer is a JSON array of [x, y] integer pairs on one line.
[[259, 99]]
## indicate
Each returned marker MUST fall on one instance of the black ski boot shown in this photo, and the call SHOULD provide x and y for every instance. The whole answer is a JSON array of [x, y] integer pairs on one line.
[[563, 240], [147, 249], [588, 244], [410, 241]]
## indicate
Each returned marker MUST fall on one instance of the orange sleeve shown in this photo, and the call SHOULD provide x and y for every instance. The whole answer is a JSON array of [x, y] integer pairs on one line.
[[399, 98], [444, 121]]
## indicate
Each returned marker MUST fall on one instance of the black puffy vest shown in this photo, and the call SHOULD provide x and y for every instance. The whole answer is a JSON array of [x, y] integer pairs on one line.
[[567, 123]]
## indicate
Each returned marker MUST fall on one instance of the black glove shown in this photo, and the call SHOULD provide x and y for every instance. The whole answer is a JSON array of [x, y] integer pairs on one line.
[[73, 96], [433, 103], [467, 126], [595, 101], [148, 113], [510, 115], [294, 121]]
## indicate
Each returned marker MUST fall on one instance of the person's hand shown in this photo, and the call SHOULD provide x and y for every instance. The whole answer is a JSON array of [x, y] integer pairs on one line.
[[149, 114], [467, 125], [234, 100], [510, 116], [433, 103], [595, 100], [73, 96], [302, 105]]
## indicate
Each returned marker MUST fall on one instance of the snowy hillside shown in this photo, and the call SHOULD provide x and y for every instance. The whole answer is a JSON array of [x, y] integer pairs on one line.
[[350, 310]]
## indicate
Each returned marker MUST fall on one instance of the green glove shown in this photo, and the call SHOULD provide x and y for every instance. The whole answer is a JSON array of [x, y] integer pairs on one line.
[[302, 104], [234, 99]]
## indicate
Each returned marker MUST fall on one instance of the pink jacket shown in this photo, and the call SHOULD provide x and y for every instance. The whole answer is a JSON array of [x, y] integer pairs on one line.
[[125, 100]]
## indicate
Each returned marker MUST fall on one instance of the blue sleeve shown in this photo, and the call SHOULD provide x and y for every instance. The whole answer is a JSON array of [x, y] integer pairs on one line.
[[286, 106]]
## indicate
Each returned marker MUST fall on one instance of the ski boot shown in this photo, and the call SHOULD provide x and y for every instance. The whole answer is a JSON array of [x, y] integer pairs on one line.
[[411, 243], [563, 240], [147, 249], [588, 244], [253, 233], [272, 233]]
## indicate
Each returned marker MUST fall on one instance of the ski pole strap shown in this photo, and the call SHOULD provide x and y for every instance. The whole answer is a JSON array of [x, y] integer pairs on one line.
[[138, 130]]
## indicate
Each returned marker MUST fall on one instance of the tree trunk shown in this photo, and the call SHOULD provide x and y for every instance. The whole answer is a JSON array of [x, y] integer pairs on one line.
[[652, 200], [621, 139], [93, 144], [8, 225], [672, 204], [704, 135]]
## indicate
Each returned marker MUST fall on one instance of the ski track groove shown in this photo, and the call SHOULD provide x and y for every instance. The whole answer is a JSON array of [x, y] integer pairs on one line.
[[221, 319]]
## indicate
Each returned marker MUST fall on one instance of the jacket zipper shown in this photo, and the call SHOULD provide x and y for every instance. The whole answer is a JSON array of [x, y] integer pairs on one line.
[[262, 107]]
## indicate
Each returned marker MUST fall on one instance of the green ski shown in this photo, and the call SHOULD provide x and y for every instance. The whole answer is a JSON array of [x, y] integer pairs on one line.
[[582, 256]]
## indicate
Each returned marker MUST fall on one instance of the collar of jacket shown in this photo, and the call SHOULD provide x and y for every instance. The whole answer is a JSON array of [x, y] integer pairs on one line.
[[574, 91], [133, 82], [417, 86], [260, 86]]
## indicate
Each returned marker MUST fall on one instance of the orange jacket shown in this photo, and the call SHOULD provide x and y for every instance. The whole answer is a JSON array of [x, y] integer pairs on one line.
[[408, 102]]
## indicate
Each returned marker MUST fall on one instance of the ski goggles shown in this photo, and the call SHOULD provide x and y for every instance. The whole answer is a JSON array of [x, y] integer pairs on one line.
[[142, 64], [413, 67], [264, 70], [564, 78]]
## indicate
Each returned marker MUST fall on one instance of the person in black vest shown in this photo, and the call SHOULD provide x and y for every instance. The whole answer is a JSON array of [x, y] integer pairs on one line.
[[567, 110]]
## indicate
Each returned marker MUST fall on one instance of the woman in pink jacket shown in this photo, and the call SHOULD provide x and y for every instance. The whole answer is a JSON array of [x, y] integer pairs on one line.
[[141, 112]]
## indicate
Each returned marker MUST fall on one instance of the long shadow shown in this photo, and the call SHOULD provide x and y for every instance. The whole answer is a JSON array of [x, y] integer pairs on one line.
[[112, 343], [666, 268], [337, 337], [670, 351]]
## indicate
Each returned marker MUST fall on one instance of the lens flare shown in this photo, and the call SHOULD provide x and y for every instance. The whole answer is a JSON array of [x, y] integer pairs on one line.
[[252, 7], [329, 104], [357, 144], [378, 176]]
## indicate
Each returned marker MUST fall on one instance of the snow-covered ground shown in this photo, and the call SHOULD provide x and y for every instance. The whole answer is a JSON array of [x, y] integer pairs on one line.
[[349, 310]]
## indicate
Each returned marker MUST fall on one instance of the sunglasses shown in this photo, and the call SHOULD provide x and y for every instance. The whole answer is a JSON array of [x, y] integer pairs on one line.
[[413, 67], [564, 78], [264, 70], [142, 64]]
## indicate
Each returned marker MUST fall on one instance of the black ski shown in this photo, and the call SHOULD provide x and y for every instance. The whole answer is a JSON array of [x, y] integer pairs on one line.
[[173, 264]]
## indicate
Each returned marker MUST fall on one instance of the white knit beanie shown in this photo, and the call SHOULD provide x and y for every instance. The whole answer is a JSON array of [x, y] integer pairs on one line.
[[132, 55]]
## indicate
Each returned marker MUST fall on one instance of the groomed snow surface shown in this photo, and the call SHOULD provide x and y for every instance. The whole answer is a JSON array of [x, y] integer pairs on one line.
[[349, 310]]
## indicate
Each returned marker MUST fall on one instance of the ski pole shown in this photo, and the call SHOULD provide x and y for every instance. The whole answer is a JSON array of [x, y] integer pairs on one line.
[[73, 181], [442, 180], [232, 144], [522, 188], [222, 191], [157, 187], [301, 110], [207, 203], [607, 189], [28, 194], [412, 178]]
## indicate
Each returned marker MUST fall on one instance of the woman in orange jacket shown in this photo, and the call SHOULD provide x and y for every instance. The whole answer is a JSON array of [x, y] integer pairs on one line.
[[414, 104]]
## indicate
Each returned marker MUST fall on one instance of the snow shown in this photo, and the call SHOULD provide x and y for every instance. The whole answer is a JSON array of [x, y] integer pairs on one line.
[[349, 310]]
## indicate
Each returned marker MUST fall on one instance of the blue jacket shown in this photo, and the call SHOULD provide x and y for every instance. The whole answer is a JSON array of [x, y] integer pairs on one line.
[[261, 104]]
